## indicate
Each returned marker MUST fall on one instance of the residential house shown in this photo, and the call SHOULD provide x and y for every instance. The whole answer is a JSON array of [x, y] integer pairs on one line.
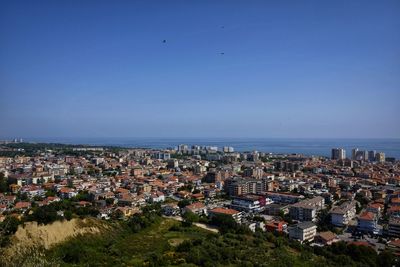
[[170, 209], [157, 197], [66, 192], [127, 211], [197, 208], [276, 226], [326, 238], [22, 205]]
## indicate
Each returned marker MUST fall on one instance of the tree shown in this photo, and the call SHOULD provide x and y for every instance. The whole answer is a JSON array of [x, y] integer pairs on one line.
[[189, 218], [386, 259], [196, 191], [359, 207], [68, 215], [44, 214], [324, 220], [225, 223], [183, 203], [23, 196], [50, 193], [7, 228], [285, 217], [83, 196], [3, 183], [110, 201], [117, 215], [37, 198]]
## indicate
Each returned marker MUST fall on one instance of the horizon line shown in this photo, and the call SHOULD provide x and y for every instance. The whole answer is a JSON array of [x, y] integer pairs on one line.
[[187, 137]]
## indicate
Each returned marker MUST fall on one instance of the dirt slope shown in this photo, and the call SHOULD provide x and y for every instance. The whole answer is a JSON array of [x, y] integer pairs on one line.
[[32, 238]]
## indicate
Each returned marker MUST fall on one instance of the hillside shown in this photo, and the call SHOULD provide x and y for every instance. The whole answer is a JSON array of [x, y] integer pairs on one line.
[[148, 239], [32, 239]]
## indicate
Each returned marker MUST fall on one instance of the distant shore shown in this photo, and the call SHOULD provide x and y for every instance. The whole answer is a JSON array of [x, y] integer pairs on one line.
[[306, 146]]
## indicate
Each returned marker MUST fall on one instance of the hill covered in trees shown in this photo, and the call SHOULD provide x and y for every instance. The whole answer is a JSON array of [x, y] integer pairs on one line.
[[148, 239]]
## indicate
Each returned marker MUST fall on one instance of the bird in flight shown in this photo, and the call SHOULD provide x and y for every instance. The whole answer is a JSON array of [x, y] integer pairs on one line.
[[222, 53], [164, 41]]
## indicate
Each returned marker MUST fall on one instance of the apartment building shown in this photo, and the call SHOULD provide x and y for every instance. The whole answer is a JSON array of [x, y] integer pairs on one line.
[[306, 210], [240, 186], [248, 203], [394, 227], [304, 231], [367, 222], [284, 197], [342, 215]]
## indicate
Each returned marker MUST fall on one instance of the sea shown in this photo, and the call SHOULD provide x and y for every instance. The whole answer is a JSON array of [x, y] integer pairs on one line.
[[306, 146]]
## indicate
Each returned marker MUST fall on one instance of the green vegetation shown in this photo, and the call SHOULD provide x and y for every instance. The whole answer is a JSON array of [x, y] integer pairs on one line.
[[48, 214], [189, 218], [324, 222], [147, 239], [3, 183], [7, 228], [183, 203], [187, 187], [351, 255], [166, 243]]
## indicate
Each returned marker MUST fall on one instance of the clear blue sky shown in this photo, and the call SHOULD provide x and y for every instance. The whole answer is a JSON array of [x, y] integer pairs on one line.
[[289, 68]]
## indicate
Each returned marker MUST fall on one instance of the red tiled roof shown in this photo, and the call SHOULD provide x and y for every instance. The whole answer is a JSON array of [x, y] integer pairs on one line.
[[224, 211], [394, 209], [65, 190], [375, 205], [395, 243], [22, 205], [196, 205], [327, 235], [360, 243], [367, 216]]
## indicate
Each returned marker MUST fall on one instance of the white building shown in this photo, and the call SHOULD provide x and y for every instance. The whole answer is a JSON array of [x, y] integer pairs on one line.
[[302, 232], [342, 215], [228, 149], [157, 197], [306, 210]]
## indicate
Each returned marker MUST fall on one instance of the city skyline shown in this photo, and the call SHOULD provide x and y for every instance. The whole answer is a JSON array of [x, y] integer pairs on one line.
[[199, 133], [209, 69]]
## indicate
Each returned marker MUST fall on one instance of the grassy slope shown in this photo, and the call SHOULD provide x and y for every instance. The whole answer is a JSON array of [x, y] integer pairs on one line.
[[156, 246], [120, 247]]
